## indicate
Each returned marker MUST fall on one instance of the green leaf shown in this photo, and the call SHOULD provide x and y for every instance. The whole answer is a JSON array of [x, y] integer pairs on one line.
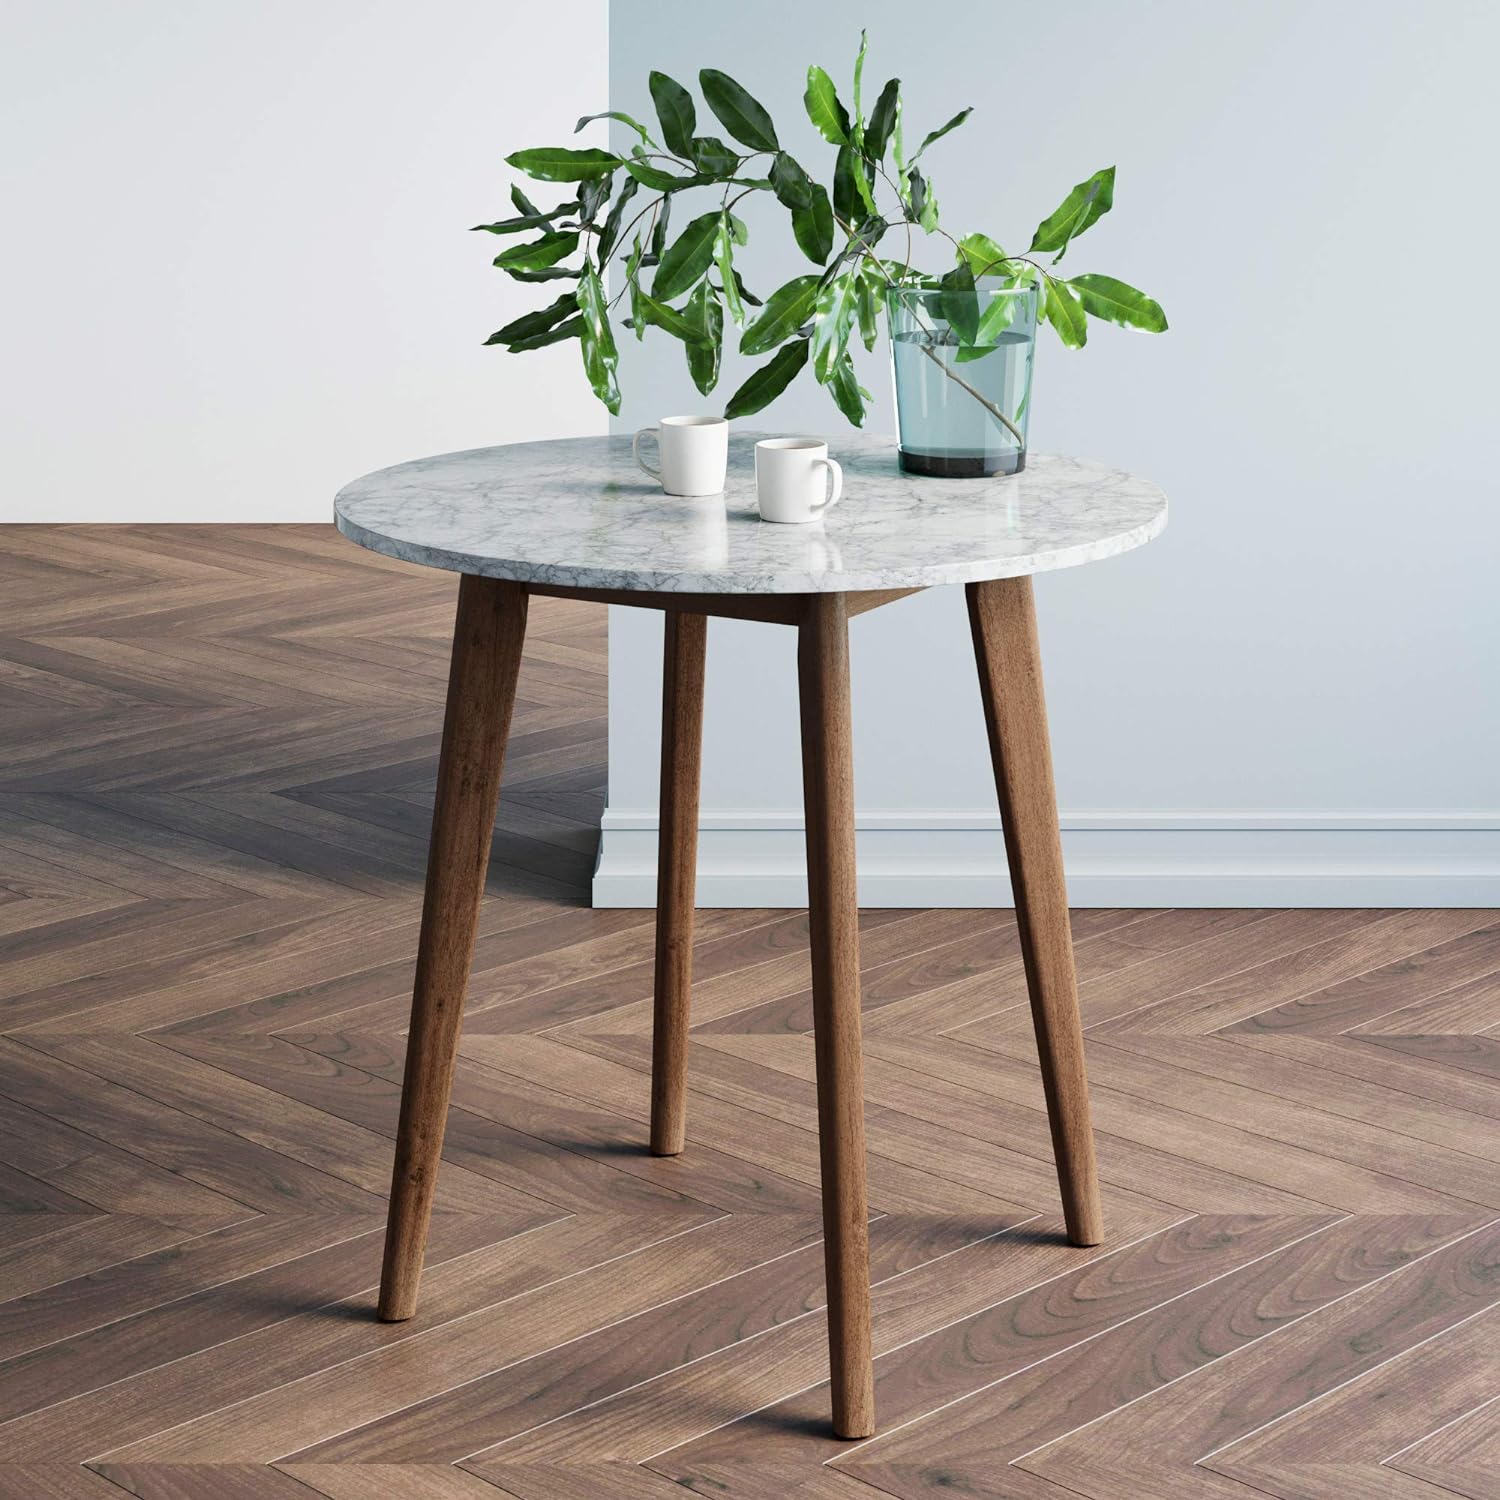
[[678, 324], [687, 258], [1089, 201], [851, 187], [528, 325], [813, 226], [558, 164], [883, 120], [713, 157], [958, 304], [1117, 302], [867, 236], [534, 254], [724, 259], [611, 231], [659, 230], [741, 115], [982, 254], [942, 130], [928, 216], [523, 203], [864, 184], [857, 133], [791, 184], [622, 117], [917, 200], [786, 310], [824, 108], [768, 382], [703, 354], [548, 273], [657, 180], [848, 394], [738, 231], [833, 315], [523, 221], [674, 108], [998, 315], [812, 218], [600, 356], [633, 282], [1065, 313], [571, 329], [845, 196], [592, 196], [867, 303]]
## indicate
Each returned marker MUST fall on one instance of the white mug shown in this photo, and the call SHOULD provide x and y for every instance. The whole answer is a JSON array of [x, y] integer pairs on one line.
[[694, 454], [789, 479]]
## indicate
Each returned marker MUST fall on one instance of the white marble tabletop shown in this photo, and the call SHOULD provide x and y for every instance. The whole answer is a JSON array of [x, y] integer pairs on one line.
[[577, 512]]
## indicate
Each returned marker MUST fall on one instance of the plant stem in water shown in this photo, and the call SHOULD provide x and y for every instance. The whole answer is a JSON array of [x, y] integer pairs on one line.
[[988, 405]]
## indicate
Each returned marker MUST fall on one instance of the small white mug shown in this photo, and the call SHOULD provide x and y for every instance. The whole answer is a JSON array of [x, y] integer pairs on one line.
[[789, 479], [694, 454]]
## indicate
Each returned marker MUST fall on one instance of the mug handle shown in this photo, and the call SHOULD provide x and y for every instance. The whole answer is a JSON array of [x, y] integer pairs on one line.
[[635, 450], [832, 465]]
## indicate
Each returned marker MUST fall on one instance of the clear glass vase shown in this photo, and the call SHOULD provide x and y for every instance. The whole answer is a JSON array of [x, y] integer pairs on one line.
[[962, 364]]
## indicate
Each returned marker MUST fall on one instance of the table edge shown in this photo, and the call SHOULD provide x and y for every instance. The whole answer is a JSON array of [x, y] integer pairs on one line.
[[566, 576]]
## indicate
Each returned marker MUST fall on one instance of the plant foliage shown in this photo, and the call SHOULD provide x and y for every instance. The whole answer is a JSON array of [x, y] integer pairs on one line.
[[684, 280]]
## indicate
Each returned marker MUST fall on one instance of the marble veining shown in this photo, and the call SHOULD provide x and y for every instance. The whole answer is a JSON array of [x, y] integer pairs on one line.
[[577, 512]]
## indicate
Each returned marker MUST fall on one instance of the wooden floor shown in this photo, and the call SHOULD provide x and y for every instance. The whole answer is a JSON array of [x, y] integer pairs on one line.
[[217, 748]]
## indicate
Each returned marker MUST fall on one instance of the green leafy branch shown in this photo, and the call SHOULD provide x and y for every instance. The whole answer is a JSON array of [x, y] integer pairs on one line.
[[694, 286]]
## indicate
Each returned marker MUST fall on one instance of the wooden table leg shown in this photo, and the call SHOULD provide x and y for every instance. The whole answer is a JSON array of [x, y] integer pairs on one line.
[[833, 912], [487, 640], [1003, 618], [676, 874]]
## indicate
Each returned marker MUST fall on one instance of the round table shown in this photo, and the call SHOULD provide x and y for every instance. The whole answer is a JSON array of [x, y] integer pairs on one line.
[[577, 518]]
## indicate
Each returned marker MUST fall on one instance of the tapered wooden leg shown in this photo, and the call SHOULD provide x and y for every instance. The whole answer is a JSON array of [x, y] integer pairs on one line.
[[833, 911], [1003, 619], [487, 639], [676, 873]]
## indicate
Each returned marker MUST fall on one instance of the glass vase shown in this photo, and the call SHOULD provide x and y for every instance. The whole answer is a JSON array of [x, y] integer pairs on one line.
[[962, 365]]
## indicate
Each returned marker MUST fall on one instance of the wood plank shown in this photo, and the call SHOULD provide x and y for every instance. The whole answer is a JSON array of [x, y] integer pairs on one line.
[[665, 1413], [1346, 1435], [55, 1482], [968, 1446], [473, 1262], [191, 1481], [218, 1159], [1172, 1439], [1007, 1337], [1466, 1009], [1220, 1147], [1291, 974], [382, 1481], [419, 1401], [1461, 1456], [1151, 1069]]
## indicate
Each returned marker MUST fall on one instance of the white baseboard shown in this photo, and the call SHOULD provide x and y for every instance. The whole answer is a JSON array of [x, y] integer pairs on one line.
[[946, 858]]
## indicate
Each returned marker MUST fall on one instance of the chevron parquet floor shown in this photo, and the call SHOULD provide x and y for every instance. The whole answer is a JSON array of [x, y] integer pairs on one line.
[[217, 747]]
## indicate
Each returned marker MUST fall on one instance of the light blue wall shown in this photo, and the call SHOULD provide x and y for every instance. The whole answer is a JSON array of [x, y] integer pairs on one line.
[[1307, 190]]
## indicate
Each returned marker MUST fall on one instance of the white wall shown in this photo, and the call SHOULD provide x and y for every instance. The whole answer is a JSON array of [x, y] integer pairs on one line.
[[1291, 697], [235, 264]]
